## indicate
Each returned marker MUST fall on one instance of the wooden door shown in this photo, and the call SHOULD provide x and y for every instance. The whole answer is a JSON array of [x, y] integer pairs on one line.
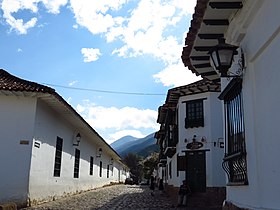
[[196, 171]]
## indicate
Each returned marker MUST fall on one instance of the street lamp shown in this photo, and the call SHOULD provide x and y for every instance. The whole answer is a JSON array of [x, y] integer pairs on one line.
[[99, 153], [77, 140], [222, 56]]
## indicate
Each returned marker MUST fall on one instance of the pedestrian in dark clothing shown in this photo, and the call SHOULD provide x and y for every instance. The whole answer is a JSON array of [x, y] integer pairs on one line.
[[184, 191], [160, 187], [152, 185]]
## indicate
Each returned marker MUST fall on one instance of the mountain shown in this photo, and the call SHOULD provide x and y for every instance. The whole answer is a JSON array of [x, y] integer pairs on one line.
[[143, 147], [122, 141]]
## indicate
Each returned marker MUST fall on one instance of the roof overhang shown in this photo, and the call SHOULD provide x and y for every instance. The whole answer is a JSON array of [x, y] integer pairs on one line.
[[210, 22], [170, 151], [200, 86], [55, 102]]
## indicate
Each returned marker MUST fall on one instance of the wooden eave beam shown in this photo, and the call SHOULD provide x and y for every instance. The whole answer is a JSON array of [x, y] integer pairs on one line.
[[192, 91], [200, 58], [203, 48], [226, 5], [209, 73], [202, 65], [216, 22], [210, 36], [200, 89]]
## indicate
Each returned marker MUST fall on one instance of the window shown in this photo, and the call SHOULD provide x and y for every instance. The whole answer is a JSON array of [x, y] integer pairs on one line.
[[112, 171], [181, 163], [194, 114], [58, 157], [100, 169], [91, 166], [77, 163], [170, 170], [235, 157], [108, 169]]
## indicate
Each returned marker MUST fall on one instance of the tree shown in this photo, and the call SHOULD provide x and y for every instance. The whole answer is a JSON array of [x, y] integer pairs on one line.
[[150, 164], [133, 162]]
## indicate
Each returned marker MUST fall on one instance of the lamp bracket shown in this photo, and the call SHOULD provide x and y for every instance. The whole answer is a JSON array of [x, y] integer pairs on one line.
[[240, 65]]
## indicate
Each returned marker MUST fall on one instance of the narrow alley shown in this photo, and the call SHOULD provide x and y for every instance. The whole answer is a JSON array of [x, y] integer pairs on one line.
[[112, 198]]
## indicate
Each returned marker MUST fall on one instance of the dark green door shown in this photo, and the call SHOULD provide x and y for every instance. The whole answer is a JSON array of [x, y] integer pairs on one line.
[[196, 171]]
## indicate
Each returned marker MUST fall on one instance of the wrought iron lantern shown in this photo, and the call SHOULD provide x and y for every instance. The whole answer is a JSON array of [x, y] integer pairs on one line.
[[77, 140], [222, 56], [99, 153]]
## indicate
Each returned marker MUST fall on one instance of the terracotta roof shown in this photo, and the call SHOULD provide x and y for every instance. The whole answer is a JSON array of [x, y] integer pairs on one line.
[[174, 94], [193, 31], [200, 86], [12, 83], [17, 86]]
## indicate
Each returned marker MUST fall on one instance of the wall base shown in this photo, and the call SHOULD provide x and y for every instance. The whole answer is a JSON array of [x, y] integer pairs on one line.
[[227, 205], [213, 197]]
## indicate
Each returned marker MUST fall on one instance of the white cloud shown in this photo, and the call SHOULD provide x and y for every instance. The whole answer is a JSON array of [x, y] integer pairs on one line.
[[112, 117], [72, 83], [92, 14], [19, 50], [142, 31], [90, 54], [54, 5], [13, 6], [175, 75], [117, 121]]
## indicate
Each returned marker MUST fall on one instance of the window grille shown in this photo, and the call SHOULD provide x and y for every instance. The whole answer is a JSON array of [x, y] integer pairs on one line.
[[77, 163], [100, 169], [91, 166], [108, 169], [58, 157], [234, 162]]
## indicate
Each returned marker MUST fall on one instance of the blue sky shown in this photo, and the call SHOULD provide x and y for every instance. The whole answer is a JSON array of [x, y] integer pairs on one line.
[[111, 60]]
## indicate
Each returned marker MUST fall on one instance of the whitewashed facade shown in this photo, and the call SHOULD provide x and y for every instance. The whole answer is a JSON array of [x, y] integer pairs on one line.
[[201, 166], [33, 119], [254, 26]]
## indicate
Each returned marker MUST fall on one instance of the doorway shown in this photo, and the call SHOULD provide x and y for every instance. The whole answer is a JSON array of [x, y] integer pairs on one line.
[[196, 170]]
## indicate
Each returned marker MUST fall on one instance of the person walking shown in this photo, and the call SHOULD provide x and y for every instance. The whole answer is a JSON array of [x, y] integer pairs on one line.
[[160, 186], [184, 191], [152, 185]]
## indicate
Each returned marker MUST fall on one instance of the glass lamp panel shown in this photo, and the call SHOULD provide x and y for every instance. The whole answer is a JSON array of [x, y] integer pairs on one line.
[[214, 57], [225, 56]]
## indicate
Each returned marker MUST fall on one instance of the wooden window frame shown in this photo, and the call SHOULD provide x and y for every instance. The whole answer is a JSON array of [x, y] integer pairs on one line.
[[194, 113]]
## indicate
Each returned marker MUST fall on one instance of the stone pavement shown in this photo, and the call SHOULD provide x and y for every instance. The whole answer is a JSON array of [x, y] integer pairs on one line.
[[116, 197]]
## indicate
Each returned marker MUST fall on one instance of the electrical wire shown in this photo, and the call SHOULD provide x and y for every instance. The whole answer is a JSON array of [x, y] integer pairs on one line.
[[106, 91]]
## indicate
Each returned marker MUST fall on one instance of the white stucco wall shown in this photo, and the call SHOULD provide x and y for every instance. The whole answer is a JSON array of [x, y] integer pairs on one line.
[[43, 185], [261, 99], [17, 120], [212, 132]]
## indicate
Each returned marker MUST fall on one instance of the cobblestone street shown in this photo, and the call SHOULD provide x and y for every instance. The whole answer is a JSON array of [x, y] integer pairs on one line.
[[110, 198]]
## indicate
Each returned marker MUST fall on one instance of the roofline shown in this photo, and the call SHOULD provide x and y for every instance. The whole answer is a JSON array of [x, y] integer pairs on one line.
[[198, 15], [36, 88]]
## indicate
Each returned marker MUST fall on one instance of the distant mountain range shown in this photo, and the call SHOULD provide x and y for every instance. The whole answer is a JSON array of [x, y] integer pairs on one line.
[[141, 146]]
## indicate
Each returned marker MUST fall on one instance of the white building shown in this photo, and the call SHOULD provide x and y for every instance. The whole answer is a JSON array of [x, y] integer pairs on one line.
[[190, 140], [250, 93], [47, 149]]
